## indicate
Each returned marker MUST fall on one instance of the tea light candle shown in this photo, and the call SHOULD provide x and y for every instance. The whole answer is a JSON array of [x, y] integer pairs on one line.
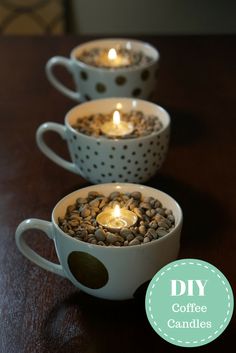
[[112, 59], [116, 127], [116, 218], [116, 60]]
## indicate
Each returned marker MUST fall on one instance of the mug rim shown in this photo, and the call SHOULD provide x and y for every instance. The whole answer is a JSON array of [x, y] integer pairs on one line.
[[122, 99], [120, 69], [114, 186]]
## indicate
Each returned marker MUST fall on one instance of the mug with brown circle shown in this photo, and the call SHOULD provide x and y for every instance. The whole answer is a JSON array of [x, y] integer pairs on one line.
[[137, 77], [100, 159], [107, 272]]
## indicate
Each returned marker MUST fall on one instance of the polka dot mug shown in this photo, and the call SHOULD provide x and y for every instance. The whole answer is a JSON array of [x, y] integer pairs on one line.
[[100, 159], [93, 82], [115, 272]]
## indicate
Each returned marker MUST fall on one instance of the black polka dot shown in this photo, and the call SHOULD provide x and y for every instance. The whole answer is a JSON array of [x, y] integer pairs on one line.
[[111, 156], [145, 169], [136, 175], [96, 153], [74, 137], [145, 75], [129, 160], [79, 148], [136, 92], [83, 75], [76, 156], [110, 174], [113, 181], [87, 97], [129, 172], [98, 143], [103, 175], [100, 87], [88, 170], [120, 80], [126, 180], [125, 147], [124, 167], [151, 143], [138, 169], [120, 176], [102, 163], [82, 161], [154, 163], [162, 147], [154, 154], [140, 145], [112, 166], [133, 153], [146, 161], [95, 166], [158, 143], [144, 155], [136, 162], [88, 147], [87, 156], [113, 148], [122, 157], [148, 151]]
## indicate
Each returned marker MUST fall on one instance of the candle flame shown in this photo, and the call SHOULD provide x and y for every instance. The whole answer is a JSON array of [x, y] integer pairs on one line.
[[116, 211], [112, 55], [116, 118]]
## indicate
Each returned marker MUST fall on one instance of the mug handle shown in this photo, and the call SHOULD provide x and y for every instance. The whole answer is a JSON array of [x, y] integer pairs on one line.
[[46, 227], [67, 64], [60, 130]]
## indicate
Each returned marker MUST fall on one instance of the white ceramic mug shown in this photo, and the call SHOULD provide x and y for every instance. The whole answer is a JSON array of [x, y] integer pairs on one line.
[[105, 272], [110, 160], [94, 82]]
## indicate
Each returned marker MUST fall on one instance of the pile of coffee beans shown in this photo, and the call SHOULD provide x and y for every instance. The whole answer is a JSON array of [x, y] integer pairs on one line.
[[93, 57], [154, 220], [143, 124]]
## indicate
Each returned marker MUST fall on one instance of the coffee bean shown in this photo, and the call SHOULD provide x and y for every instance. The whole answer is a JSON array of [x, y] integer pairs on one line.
[[153, 224], [145, 205], [114, 195], [100, 234], [138, 212], [101, 243], [163, 224], [171, 218], [151, 232], [146, 240], [136, 195], [81, 200], [142, 229], [161, 232], [130, 237], [85, 212], [134, 242], [95, 203], [139, 237]]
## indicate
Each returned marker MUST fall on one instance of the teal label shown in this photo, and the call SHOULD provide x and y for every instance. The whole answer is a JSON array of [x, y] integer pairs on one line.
[[189, 302]]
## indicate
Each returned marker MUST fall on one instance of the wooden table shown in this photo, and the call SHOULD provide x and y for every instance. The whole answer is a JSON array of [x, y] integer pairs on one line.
[[42, 312]]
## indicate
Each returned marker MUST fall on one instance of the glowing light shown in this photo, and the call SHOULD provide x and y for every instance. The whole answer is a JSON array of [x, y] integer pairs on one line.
[[112, 55], [116, 211], [116, 118]]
